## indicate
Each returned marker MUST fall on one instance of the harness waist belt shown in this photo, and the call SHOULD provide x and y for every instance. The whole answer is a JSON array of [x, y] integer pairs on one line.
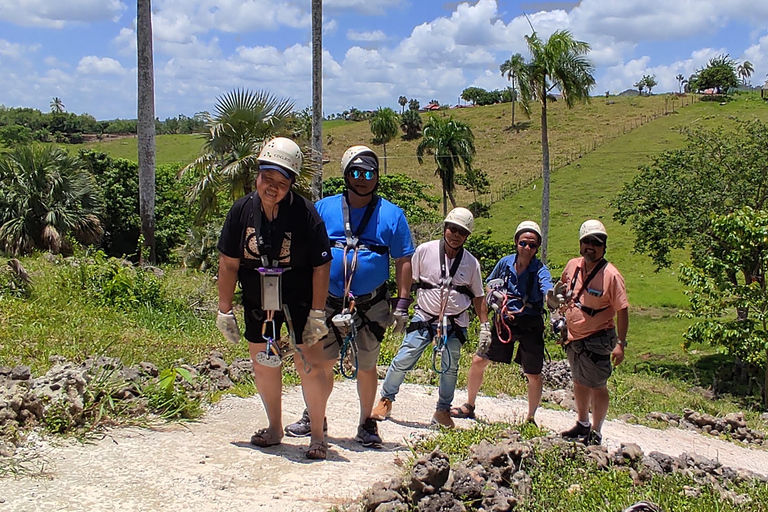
[[424, 285], [588, 310], [360, 300], [378, 249]]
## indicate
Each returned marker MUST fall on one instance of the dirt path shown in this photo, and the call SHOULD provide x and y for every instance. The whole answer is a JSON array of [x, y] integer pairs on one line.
[[209, 465]]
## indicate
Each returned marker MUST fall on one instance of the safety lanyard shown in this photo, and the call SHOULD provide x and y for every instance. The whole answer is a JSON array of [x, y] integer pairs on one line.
[[446, 277], [353, 239], [269, 252], [603, 262]]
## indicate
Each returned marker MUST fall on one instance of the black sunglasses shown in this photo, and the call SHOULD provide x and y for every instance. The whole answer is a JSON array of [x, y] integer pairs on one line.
[[357, 173], [595, 242], [453, 228], [523, 243]]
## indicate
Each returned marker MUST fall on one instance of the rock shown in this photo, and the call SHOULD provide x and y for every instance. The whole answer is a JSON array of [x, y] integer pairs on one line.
[[468, 484], [599, 455], [665, 462], [392, 506], [378, 494], [442, 502], [628, 418], [631, 453], [149, 369], [429, 473], [21, 373]]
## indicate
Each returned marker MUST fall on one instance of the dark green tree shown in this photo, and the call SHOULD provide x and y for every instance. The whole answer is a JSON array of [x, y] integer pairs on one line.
[[413, 104], [719, 74], [402, 101], [511, 69], [384, 127], [411, 123]]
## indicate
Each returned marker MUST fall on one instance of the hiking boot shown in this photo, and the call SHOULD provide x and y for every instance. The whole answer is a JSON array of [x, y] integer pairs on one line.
[[368, 434], [594, 438], [303, 428], [578, 433], [443, 418], [382, 410]]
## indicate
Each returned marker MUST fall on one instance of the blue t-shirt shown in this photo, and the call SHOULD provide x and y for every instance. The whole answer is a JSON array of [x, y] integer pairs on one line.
[[387, 228], [517, 286]]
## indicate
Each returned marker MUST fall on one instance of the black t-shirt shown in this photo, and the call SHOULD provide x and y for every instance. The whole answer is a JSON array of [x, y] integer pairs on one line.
[[303, 243]]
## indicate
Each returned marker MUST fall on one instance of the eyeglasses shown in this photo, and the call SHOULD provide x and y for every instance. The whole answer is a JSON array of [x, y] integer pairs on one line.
[[453, 228], [523, 243], [595, 242], [357, 173]]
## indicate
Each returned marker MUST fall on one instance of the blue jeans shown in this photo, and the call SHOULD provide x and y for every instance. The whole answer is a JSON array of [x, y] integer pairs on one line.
[[413, 346]]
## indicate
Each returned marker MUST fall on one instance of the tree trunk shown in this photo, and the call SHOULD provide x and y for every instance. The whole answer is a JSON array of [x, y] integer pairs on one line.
[[765, 383], [513, 110], [445, 198], [453, 199], [545, 179], [385, 156], [317, 98], [146, 126]]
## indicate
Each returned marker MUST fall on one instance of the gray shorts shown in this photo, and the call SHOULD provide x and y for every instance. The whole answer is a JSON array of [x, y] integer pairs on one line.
[[590, 358], [368, 344]]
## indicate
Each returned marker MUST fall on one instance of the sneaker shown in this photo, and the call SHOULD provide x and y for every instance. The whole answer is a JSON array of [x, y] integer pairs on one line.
[[443, 418], [594, 438], [577, 433], [382, 410], [368, 434], [303, 428]]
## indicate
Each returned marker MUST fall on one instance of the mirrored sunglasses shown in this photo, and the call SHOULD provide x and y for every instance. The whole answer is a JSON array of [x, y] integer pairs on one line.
[[453, 228], [358, 173], [532, 245]]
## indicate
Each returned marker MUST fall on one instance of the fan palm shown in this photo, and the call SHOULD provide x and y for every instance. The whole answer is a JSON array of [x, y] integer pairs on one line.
[[745, 71], [452, 144], [511, 69], [45, 195], [558, 63], [385, 125], [242, 122]]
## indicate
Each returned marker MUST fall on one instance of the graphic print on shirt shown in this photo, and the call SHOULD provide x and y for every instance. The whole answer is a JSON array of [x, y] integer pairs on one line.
[[252, 252]]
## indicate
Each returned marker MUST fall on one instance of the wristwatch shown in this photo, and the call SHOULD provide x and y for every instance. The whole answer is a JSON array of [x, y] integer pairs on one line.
[[623, 343]]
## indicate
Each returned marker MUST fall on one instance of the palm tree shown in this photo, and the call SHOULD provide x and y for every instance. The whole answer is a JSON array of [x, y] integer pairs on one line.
[[402, 100], [243, 120], [384, 126], [146, 126], [45, 195], [413, 104], [680, 81], [452, 144], [410, 123], [511, 69], [57, 106], [745, 71], [559, 63]]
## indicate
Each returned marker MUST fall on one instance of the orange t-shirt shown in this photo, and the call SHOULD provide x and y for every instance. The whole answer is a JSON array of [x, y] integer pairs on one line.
[[606, 290]]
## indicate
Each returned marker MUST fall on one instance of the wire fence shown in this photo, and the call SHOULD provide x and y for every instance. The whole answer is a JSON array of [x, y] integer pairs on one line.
[[562, 159]]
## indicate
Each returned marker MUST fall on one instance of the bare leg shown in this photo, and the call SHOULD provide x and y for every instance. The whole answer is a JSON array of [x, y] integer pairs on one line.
[[534, 394], [269, 384], [582, 395], [475, 377], [600, 401], [316, 386], [367, 380]]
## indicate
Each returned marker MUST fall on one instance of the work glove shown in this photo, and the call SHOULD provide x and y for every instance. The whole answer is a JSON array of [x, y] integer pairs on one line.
[[556, 296], [484, 340], [227, 324], [400, 314], [315, 328]]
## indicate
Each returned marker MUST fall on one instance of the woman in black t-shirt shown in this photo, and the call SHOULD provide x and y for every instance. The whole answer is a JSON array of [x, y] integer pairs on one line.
[[274, 228]]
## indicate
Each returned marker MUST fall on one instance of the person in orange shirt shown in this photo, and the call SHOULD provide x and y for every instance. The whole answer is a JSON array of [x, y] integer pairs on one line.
[[593, 293]]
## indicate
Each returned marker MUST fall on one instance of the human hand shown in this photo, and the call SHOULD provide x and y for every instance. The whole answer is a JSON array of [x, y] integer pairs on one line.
[[400, 314], [617, 355], [227, 324], [484, 339], [315, 328]]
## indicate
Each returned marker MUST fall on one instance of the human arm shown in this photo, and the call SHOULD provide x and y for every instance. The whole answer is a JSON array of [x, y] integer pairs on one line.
[[225, 319], [403, 279], [320, 277], [622, 326]]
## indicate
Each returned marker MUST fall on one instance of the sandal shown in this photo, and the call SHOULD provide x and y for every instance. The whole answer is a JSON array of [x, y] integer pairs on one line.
[[317, 451], [465, 411], [263, 439]]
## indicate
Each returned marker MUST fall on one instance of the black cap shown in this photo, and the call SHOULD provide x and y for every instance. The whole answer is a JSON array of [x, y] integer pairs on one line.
[[365, 163]]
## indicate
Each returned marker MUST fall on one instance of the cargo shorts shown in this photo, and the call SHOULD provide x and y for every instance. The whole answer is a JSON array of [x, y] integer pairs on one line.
[[590, 358]]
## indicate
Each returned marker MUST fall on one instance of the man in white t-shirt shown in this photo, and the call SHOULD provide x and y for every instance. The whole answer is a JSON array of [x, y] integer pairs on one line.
[[445, 290]]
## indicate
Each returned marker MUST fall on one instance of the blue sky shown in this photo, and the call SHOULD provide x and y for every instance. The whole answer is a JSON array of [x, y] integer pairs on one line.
[[83, 51]]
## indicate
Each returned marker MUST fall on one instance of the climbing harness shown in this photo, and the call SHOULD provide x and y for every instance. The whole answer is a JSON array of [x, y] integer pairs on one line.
[[440, 350], [498, 298], [575, 297], [270, 278]]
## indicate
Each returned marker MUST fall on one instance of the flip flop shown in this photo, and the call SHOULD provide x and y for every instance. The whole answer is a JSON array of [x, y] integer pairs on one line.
[[465, 411], [317, 451], [263, 439]]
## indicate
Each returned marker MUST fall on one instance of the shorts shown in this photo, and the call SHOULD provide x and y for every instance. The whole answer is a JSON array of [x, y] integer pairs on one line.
[[528, 333], [590, 358], [254, 319], [367, 341]]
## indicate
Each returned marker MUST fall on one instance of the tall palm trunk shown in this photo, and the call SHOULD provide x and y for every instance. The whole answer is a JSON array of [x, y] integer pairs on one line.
[[317, 98], [545, 178], [513, 108], [146, 126]]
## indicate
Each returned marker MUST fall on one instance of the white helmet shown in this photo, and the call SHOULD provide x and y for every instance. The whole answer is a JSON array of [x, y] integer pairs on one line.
[[352, 153], [284, 153], [527, 226], [594, 228], [461, 217]]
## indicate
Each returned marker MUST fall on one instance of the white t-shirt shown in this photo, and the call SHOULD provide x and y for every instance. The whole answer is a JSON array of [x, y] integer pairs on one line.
[[425, 264]]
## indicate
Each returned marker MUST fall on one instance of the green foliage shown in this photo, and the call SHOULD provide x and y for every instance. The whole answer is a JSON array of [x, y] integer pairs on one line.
[[474, 180], [401, 190], [411, 123], [169, 398], [15, 134], [46, 195], [15, 281], [456, 442], [718, 171], [200, 249], [413, 104], [479, 96], [647, 82], [384, 126], [719, 74], [487, 251]]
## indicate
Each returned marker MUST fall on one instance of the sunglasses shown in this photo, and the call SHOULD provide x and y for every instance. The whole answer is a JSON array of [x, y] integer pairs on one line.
[[531, 245], [595, 242], [453, 228], [357, 173]]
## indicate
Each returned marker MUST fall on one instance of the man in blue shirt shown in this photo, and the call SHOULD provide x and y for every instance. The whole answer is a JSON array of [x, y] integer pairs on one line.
[[517, 288], [365, 230]]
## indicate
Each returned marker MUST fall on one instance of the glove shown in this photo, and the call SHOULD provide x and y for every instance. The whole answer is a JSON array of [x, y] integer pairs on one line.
[[400, 314], [227, 324], [484, 340], [315, 328], [556, 296]]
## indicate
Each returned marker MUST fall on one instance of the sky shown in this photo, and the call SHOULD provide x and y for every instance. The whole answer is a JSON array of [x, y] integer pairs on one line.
[[84, 51]]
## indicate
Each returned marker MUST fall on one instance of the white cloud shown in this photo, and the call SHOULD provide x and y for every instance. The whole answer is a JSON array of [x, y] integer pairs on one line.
[[757, 54], [13, 50], [375, 35], [370, 7], [330, 27], [92, 65], [59, 13]]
